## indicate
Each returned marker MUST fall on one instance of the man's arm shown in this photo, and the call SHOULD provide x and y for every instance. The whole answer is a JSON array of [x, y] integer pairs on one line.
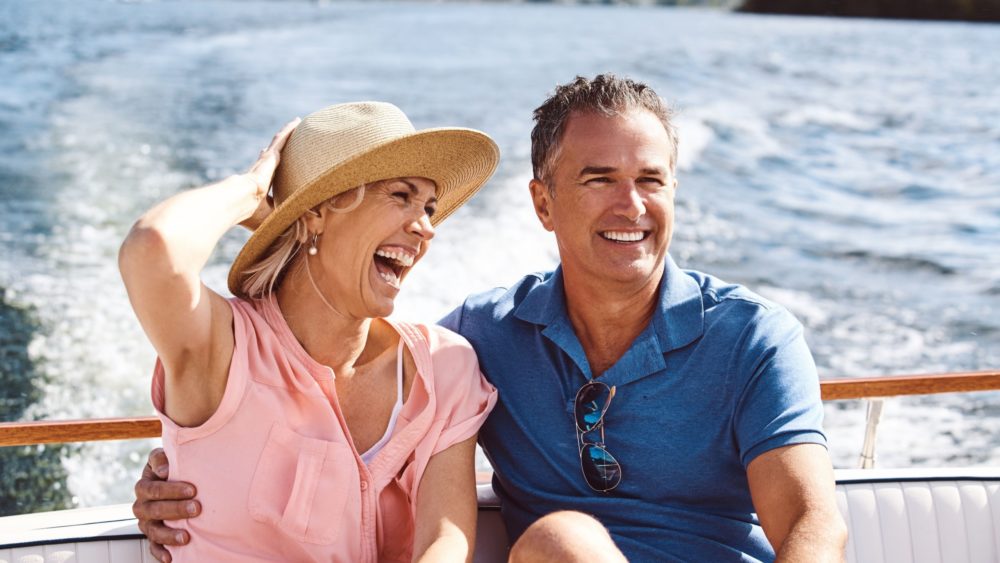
[[157, 499], [793, 492]]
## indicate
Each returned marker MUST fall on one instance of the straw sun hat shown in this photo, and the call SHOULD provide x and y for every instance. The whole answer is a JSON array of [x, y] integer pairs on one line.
[[347, 145]]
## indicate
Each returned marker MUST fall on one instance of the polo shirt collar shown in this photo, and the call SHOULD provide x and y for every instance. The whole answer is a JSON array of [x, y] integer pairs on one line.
[[546, 302], [681, 317], [678, 321]]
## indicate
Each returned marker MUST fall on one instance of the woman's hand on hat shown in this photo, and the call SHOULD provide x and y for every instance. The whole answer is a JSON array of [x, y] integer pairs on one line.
[[262, 173]]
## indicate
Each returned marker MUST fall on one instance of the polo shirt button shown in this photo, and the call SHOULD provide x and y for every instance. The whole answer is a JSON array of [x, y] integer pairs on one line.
[[364, 485]]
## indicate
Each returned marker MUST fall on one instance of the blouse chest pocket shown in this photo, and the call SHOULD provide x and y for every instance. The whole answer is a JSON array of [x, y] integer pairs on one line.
[[301, 485]]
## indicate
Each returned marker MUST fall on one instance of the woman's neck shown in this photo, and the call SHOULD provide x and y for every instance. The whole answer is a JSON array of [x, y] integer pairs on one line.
[[330, 336]]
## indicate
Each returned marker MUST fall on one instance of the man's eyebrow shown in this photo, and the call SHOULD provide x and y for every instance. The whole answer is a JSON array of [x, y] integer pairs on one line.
[[598, 170], [592, 170], [655, 171]]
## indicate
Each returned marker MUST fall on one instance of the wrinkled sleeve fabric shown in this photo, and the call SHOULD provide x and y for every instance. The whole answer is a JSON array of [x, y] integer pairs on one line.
[[244, 339], [780, 401], [465, 398]]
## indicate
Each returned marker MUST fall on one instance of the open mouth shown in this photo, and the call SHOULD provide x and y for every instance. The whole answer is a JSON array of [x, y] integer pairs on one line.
[[624, 237], [391, 264]]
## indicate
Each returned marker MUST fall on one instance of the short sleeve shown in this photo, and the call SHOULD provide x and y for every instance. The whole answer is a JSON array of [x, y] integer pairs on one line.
[[780, 404], [236, 384], [453, 320], [464, 397]]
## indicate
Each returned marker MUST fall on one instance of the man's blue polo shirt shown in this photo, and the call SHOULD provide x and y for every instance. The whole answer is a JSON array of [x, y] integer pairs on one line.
[[718, 377]]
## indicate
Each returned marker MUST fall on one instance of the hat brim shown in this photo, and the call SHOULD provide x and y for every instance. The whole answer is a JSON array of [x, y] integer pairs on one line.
[[458, 160]]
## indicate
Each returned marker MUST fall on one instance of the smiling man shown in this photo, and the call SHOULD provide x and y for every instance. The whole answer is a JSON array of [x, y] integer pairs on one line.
[[680, 412], [645, 412]]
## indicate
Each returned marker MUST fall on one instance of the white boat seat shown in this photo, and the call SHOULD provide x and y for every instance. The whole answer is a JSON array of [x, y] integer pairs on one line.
[[922, 516], [893, 516]]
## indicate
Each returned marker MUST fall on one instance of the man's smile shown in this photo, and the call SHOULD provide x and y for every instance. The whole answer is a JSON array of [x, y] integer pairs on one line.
[[624, 236]]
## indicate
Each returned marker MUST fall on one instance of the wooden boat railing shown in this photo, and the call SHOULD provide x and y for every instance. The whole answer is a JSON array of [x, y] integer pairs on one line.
[[873, 389]]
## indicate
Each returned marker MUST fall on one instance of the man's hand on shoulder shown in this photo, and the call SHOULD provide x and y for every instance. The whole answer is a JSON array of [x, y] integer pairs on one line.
[[157, 499], [793, 491]]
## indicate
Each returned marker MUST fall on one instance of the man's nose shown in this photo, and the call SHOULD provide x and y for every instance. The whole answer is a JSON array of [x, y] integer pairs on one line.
[[629, 203]]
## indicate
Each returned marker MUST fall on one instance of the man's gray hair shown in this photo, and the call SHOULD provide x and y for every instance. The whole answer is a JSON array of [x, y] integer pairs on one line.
[[605, 94]]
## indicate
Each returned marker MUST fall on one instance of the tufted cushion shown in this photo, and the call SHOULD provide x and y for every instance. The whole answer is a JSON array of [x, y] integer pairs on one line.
[[921, 516]]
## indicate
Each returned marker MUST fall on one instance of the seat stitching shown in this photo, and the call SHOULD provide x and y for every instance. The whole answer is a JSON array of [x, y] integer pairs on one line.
[[993, 521], [878, 519], [852, 528], [937, 521], [909, 524], [852, 538], [965, 520]]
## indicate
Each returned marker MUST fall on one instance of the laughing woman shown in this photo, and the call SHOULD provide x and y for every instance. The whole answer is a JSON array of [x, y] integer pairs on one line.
[[315, 428]]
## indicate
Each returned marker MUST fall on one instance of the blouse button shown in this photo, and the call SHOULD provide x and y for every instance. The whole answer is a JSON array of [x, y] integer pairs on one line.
[[364, 485]]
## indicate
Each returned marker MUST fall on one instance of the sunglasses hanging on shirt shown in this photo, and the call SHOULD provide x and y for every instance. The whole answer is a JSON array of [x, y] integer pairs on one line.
[[600, 469]]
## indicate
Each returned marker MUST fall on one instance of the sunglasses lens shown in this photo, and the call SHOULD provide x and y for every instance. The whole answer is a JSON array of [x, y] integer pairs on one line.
[[600, 468], [590, 404]]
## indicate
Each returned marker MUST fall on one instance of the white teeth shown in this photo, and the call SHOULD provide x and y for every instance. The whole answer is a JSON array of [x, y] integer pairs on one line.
[[630, 236], [389, 278], [398, 256]]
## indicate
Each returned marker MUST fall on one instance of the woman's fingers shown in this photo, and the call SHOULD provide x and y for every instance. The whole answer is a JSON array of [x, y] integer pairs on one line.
[[281, 137], [270, 156], [262, 171]]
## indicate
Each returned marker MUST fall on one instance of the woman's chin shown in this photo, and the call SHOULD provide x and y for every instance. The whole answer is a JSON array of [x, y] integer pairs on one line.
[[380, 305], [384, 311]]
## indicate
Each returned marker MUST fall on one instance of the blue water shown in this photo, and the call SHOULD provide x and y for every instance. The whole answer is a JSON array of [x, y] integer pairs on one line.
[[849, 169]]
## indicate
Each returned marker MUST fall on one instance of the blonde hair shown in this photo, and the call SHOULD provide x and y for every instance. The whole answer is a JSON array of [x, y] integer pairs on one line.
[[262, 277]]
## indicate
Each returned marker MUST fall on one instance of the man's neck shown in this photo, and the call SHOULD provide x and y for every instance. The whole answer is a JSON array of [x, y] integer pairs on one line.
[[607, 317]]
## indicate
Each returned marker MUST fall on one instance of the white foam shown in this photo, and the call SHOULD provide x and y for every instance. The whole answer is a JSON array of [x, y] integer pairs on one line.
[[695, 136], [808, 309], [825, 116]]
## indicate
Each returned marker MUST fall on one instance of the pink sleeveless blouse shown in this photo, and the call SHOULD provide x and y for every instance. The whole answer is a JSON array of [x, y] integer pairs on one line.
[[277, 473]]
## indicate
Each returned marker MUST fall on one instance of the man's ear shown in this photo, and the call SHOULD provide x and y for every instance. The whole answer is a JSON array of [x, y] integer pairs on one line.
[[542, 200]]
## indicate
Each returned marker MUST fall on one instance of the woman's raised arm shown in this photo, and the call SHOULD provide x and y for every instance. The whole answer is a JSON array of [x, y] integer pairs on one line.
[[161, 259]]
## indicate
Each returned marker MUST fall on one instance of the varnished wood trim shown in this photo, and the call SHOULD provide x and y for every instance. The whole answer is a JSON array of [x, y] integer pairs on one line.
[[49, 432], [891, 386]]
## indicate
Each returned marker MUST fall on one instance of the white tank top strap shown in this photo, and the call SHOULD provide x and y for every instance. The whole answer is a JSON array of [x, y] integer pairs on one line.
[[369, 455], [399, 381]]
